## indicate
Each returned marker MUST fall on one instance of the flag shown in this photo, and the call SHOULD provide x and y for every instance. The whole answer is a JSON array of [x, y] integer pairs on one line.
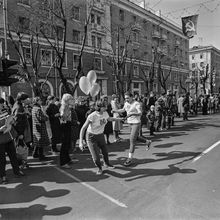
[[189, 25]]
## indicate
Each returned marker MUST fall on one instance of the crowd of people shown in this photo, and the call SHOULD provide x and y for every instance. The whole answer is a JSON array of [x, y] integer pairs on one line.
[[89, 122]]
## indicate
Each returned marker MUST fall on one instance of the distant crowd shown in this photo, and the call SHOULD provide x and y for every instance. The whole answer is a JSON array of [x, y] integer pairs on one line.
[[25, 122]]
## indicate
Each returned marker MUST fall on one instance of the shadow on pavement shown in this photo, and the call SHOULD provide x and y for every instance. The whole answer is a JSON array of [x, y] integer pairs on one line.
[[34, 212]]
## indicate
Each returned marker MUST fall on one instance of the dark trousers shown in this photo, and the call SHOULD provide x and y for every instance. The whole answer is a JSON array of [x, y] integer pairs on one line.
[[66, 143], [8, 148], [96, 142], [151, 127]]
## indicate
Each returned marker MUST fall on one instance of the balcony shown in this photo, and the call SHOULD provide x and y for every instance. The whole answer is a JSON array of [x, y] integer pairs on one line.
[[156, 34], [100, 29], [164, 37], [164, 51], [98, 6], [136, 27]]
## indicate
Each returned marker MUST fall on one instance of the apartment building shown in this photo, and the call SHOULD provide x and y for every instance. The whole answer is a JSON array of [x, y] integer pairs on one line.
[[110, 23], [202, 60]]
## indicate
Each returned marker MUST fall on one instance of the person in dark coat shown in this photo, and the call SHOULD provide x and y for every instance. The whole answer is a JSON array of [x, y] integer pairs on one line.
[[186, 103], [20, 116], [53, 113], [40, 135], [68, 122], [7, 146], [108, 127]]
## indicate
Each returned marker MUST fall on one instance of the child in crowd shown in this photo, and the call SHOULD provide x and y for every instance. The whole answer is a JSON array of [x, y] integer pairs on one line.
[[151, 117]]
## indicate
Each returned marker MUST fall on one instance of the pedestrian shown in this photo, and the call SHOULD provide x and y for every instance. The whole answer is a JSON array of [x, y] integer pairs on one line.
[[7, 145], [180, 105], [21, 125], [151, 119], [67, 121], [116, 125], [108, 127], [186, 104], [40, 135], [53, 113], [95, 124], [134, 112]]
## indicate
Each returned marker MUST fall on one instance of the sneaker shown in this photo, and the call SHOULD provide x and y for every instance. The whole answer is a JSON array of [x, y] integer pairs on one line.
[[66, 166], [109, 166], [4, 180], [148, 143], [128, 162], [99, 172], [19, 174]]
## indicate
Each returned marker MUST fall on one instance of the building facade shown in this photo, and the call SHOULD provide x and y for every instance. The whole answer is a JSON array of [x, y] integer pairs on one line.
[[111, 23], [205, 62]]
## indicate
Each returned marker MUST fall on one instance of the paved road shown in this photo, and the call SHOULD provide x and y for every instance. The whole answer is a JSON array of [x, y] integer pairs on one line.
[[174, 180]]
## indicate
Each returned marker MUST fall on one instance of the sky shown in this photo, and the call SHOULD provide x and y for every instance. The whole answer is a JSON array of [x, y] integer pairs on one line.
[[208, 29]]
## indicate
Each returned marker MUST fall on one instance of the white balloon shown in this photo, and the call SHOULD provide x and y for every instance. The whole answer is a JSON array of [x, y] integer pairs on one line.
[[94, 91], [84, 85], [92, 76]]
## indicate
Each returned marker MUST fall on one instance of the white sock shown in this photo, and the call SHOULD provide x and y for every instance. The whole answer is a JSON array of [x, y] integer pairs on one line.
[[130, 155]]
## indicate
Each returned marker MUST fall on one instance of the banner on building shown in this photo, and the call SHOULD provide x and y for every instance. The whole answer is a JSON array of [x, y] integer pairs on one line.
[[189, 25]]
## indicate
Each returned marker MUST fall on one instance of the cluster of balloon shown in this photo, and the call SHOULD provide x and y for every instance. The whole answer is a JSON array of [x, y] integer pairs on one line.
[[88, 84]]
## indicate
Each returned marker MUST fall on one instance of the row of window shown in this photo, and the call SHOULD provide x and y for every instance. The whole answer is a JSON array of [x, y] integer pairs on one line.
[[47, 59]]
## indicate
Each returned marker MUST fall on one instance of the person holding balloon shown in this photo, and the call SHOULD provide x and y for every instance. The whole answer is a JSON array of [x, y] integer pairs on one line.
[[95, 125], [134, 112]]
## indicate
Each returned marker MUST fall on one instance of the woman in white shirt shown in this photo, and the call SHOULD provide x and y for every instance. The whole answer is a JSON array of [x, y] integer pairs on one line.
[[134, 112], [95, 125]]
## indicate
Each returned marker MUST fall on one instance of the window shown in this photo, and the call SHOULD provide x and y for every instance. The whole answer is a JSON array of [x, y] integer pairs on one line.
[[193, 57], [136, 85], [64, 61], [122, 31], [99, 42], [27, 54], [175, 77], [92, 18], [24, 2], [93, 41], [135, 52], [46, 58], [76, 36], [24, 24], [45, 29], [134, 18], [75, 61], [201, 56], [121, 15], [193, 65], [76, 13], [135, 70], [98, 63], [98, 20], [135, 36], [59, 33]]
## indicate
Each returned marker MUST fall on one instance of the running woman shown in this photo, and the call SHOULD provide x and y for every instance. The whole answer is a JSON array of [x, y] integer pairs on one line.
[[134, 112], [95, 139]]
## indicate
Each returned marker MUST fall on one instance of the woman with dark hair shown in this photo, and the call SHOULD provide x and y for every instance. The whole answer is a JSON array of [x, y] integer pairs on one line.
[[95, 125], [20, 115], [53, 113], [40, 135], [134, 112]]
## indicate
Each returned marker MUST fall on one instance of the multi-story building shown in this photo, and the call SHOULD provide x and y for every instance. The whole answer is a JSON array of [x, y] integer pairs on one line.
[[111, 22], [205, 62]]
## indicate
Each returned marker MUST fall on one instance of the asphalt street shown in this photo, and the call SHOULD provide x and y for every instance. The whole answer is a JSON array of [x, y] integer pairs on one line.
[[178, 178]]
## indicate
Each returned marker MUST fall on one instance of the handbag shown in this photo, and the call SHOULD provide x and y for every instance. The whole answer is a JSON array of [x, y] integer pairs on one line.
[[21, 150]]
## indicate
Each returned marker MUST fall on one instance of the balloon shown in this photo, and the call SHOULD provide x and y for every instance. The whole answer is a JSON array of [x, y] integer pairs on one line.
[[84, 85], [92, 76], [94, 91]]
